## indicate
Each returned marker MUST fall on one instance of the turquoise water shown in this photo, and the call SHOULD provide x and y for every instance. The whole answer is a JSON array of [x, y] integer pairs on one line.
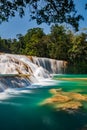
[[21, 109]]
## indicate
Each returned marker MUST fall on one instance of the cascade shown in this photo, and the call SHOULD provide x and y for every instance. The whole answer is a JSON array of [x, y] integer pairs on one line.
[[20, 64], [20, 70], [51, 65]]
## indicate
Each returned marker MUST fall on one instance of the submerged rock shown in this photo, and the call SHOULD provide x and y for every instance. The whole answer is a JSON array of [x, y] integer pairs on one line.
[[69, 105], [65, 100]]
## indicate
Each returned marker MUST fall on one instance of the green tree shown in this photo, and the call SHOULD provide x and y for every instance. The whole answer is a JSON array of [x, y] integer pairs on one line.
[[77, 54], [4, 45], [78, 50], [14, 48], [60, 43], [48, 11], [33, 41], [20, 44]]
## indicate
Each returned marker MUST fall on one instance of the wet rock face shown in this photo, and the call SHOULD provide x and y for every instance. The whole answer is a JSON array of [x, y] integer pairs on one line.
[[13, 82], [65, 100]]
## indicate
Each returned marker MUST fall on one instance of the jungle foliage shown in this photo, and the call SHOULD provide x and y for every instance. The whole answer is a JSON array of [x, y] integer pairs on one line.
[[60, 44]]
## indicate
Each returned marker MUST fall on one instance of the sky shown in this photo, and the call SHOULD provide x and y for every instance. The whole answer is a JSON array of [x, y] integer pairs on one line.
[[19, 25]]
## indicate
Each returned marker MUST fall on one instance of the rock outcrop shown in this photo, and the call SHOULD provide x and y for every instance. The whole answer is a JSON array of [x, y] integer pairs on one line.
[[61, 100]]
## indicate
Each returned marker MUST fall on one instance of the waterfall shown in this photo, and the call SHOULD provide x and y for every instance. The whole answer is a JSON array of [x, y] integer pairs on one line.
[[21, 70], [51, 65]]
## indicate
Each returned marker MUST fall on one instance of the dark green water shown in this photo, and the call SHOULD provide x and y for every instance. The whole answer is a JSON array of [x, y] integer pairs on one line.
[[21, 110]]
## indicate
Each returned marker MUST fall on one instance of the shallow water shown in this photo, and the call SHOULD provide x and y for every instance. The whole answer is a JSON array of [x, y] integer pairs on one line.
[[20, 109]]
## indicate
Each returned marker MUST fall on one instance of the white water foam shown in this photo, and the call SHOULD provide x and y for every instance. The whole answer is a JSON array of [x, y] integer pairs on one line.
[[8, 93], [14, 92], [44, 83]]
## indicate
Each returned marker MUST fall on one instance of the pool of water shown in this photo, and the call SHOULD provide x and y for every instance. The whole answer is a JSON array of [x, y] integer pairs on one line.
[[21, 109]]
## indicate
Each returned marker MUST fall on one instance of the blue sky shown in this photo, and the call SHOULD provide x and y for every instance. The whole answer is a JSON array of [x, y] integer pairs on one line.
[[17, 25]]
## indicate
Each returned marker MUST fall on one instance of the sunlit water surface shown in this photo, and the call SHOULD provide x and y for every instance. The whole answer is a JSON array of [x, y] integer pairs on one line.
[[21, 109]]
